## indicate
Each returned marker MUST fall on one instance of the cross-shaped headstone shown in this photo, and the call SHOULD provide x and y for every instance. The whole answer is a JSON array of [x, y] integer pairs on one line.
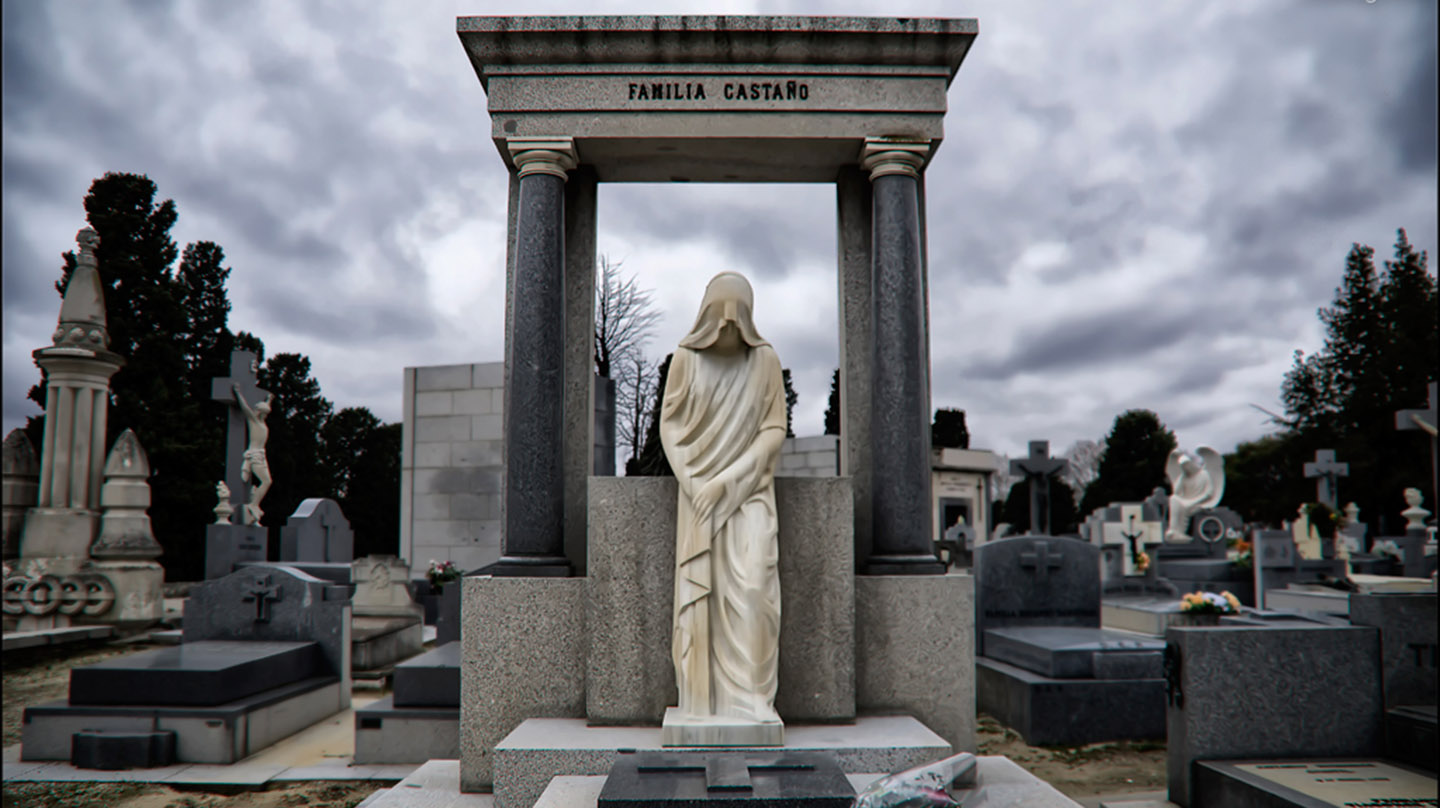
[[262, 592], [243, 365], [723, 772], [1425, 420], [1327, 471], [1041, 559], [1037, 469]]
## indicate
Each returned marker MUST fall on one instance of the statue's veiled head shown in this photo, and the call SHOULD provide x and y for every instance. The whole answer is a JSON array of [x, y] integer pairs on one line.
[[728, 300]]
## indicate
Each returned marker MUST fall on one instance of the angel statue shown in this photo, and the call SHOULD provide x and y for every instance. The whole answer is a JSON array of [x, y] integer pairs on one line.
[[1196, 482]]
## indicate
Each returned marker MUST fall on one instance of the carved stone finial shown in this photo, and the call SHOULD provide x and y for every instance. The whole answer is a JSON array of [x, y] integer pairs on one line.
[[124, 524], [82, 314]]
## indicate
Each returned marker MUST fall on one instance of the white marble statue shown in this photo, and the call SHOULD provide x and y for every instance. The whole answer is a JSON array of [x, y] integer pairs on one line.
[[1196, 482], [1415, 515], [722, 424], [255, 470]]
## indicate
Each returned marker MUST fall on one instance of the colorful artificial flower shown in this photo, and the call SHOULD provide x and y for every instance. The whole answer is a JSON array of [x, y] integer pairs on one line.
[[1210, 603]]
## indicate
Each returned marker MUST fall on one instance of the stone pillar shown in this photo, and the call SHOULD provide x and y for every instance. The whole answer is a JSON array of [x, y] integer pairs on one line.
[[857, 344], [78, 367], [581, 192], [534, 541], [901, 540]]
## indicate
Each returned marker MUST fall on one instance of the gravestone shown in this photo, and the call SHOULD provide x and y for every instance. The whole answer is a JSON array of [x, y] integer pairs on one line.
[[420, 719], [1230, 697], [1037, 469], [388, 624], [228, 546], [19, 485], [317, 532], [1407, 639], [265, 654], [1123, 531], [1327, 474], [1036, 581], [1046, 668]]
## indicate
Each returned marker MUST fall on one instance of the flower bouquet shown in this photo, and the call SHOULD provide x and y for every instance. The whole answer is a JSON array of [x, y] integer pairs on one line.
[[441, 573], [1241, 553], [1205, 608], [1142, 561]]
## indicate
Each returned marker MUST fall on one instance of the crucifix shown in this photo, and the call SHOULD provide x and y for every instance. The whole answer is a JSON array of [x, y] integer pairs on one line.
[[1327, 472], [1041, 559], [1132, 537], [243, 366], [1037, 469], [262, 591], [1424, 420]]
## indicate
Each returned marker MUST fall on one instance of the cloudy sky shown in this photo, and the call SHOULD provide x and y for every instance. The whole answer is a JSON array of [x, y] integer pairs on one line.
[[1136, 204]]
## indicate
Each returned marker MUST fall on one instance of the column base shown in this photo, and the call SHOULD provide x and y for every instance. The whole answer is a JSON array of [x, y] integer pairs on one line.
[[903, 565], [688, 730], [531, 567]]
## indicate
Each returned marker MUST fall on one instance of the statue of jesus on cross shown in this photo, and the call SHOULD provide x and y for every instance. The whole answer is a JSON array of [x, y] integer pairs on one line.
[[255, 470]]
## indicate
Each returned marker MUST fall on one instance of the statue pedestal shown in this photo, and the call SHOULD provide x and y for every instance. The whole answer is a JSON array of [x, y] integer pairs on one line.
[[684, 730]]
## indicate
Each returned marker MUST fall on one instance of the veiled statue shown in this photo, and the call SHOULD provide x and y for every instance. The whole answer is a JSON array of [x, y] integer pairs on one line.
[[1196, 482], [722, 424]]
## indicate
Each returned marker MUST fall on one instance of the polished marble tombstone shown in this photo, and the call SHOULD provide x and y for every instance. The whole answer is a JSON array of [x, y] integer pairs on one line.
[[317, 531], [699, 779]]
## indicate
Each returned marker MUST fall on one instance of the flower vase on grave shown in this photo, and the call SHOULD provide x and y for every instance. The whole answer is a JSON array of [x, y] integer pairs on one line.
[[1201, 619]]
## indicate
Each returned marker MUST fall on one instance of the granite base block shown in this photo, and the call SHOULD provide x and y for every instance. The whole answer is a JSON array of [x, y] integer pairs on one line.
[[1070, 712], [630, 678], [522, 655], [113, 751], [1407, 624], [689, 780], [915, 648], [379, 642], [540, 749]]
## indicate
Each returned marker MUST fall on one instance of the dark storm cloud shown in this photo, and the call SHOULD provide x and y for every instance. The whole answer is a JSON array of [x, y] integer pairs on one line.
[[1410, 119]]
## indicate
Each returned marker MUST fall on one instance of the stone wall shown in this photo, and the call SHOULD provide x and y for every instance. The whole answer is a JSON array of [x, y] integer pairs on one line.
[[452, 465], [810, 457], [452, 468]]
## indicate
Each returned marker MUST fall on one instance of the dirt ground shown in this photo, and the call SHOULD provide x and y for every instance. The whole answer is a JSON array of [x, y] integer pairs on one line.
[[1081, 771], [35, 677]]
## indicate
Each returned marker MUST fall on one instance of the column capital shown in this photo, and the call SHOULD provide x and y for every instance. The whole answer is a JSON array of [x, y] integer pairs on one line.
[[881, 156], [543, 155]]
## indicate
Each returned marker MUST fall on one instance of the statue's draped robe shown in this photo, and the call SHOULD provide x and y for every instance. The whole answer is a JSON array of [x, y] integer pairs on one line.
[[727, 585], [1192, 490]]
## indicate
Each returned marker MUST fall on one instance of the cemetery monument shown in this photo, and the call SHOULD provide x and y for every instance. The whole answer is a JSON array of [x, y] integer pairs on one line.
[[722, 424], [1196, 481]]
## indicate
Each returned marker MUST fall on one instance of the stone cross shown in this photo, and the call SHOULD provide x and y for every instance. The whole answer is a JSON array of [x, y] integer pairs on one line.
[[1041, 560], [1425, 421], [243, 365], [723, 772], [1327, 471], [1037, 469], [262, 592]]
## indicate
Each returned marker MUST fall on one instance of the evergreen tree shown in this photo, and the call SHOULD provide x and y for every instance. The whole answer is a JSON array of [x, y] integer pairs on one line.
[[362, 458], [949, 430], [832, 407], [1133, 463], [652, 461], [790, 398]]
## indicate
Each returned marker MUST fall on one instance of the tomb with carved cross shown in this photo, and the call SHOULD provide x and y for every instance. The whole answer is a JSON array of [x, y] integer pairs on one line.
[[1037, 469]]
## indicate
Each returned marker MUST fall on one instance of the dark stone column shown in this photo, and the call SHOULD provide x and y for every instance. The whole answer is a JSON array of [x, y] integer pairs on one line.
[[901, 540], [534, 541]]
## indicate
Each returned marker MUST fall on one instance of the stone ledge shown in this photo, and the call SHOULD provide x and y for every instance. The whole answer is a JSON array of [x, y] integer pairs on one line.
[[541, 748]]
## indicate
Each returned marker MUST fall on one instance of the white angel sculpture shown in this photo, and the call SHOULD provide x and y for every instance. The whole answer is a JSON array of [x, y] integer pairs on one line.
[[1196, 482]]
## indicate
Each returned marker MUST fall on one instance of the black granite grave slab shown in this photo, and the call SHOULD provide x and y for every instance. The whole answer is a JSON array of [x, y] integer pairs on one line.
[[335, 572], [1308, 784], [111, 751], [1201, 569], [1071, 712], [695, 779], [429, 680], [1410, 736], [203, 673], [1067, 652], [227, 545]]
